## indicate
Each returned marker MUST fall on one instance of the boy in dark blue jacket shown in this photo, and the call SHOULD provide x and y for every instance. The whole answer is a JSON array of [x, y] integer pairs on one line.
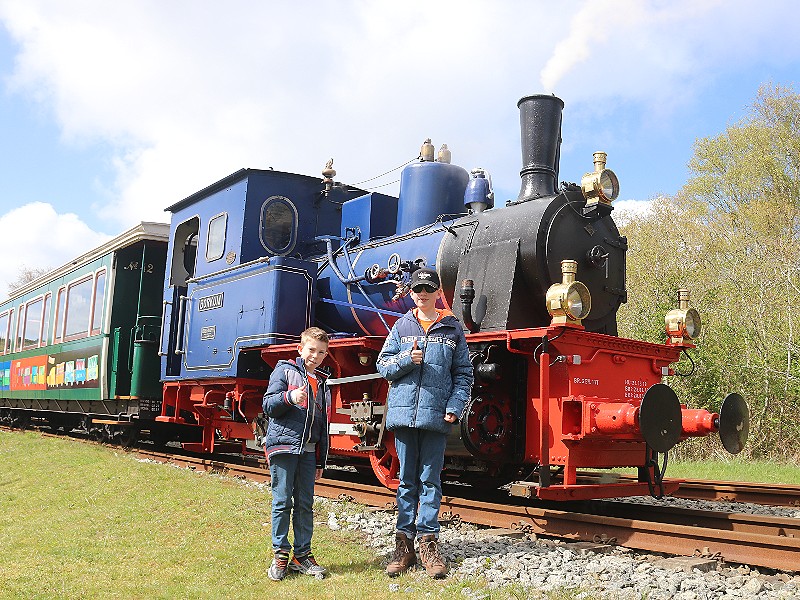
[[426, 361], [296, 444]]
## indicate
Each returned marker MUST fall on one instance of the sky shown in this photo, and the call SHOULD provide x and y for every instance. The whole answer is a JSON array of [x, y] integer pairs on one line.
[[112, 111]]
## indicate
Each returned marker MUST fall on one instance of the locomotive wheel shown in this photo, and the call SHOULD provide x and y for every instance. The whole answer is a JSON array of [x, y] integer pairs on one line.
[[385, 463], [22, 421], [127, 437], [486, 427]]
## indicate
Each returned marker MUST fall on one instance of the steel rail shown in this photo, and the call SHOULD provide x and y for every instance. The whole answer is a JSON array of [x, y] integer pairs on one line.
[[747, 539], [768, 494]]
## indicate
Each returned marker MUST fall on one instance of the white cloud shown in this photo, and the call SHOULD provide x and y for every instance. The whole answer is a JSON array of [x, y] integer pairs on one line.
[[627, 210], [36, 236], [188, 91], [662, 54]]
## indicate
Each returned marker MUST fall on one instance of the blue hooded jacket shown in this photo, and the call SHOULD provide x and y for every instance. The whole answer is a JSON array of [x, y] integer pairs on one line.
[[421, 395], [291, 426]]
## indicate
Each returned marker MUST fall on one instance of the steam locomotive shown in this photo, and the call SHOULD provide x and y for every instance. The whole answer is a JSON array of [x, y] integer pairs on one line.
[[251, 261]]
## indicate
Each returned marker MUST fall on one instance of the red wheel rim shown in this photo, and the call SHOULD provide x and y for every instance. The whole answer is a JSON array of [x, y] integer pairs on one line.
[[385, 463]]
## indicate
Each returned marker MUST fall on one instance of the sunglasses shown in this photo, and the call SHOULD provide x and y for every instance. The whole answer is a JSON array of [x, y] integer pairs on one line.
[[423, 288]]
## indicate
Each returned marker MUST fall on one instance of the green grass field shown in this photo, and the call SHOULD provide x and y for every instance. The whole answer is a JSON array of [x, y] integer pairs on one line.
[[85, 521], [736, 469]]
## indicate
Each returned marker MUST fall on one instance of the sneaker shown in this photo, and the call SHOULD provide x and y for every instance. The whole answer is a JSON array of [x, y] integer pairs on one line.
[[404, 556], [279, 567], [307, 566], [432, 560]]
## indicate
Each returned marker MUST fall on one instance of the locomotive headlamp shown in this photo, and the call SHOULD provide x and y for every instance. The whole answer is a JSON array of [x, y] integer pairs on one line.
[[602, 185], [682, 323], [568, 301]]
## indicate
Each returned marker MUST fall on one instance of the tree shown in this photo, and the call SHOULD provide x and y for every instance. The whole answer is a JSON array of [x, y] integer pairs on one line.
[[25, 275], [732, 236]]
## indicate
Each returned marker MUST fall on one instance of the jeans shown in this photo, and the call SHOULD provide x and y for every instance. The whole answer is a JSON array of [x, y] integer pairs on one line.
[[421, 454], [292, 487]]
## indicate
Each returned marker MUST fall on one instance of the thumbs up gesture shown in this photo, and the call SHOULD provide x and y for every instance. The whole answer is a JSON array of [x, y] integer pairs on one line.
[[300, 395], [416, 354]]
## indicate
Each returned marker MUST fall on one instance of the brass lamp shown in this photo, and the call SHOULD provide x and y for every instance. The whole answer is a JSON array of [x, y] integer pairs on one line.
[[602, 185], [568, 302], [682, 323]]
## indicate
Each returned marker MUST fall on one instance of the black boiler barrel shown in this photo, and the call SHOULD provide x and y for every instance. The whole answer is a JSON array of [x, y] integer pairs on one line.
[[535, 237]]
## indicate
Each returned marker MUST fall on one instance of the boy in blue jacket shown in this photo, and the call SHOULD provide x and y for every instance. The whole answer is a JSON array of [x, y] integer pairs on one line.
[[296, 444], [426, 361]]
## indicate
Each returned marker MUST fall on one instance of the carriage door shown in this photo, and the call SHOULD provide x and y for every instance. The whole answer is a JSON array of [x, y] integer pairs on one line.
[[181, 269]]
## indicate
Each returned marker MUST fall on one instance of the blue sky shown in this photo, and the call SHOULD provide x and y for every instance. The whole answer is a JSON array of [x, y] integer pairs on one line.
[[110, 112]]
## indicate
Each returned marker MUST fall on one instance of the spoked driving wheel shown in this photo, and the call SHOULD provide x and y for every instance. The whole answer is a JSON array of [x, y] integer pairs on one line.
[[385, 463]]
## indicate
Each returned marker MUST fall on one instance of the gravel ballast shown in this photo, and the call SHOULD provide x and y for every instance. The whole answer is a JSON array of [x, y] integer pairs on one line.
[[540, 565]]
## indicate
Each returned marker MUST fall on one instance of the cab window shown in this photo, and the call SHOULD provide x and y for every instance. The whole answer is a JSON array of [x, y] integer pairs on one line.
[[278, 225], [215, 245], [184, 251]]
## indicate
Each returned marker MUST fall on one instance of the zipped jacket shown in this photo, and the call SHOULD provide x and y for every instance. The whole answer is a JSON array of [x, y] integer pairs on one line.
[[291, 426], [421, 395]]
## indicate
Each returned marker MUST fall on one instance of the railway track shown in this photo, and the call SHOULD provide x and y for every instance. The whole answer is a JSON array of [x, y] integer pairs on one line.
[[756, 540], [768, 494]]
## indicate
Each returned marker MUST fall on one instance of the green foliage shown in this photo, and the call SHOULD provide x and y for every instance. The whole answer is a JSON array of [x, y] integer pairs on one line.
[[732, 237]]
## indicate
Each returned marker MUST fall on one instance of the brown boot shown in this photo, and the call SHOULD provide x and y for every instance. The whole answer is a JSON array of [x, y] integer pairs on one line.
[[403, 558], [433, 562]]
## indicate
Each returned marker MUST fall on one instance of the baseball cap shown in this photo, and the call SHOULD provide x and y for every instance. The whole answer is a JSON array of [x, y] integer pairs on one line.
[[427, 277]]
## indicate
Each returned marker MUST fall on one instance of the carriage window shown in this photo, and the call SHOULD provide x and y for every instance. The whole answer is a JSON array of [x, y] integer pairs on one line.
[[4, 321], [33, 324], [99, 296], [278, 225], [79, 303], [215, 245], [20, 314], [46, 320], [58, 329]]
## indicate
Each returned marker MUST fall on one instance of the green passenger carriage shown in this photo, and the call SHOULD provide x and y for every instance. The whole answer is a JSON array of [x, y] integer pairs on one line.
[[79, 345]]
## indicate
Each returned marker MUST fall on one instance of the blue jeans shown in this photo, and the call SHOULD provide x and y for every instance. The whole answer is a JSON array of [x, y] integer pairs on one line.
[[421, 454], [292, 488]]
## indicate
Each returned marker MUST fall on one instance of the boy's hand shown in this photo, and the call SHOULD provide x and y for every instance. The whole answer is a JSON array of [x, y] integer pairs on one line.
[[318, 475], [416, 354], [300, 395], [450, 418]]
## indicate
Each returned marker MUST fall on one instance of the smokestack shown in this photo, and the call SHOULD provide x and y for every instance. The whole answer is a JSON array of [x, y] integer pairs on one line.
[[540, 125]]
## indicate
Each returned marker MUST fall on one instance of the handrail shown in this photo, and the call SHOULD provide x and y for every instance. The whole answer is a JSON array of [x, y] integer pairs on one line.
[[163, 327], [182, 300]]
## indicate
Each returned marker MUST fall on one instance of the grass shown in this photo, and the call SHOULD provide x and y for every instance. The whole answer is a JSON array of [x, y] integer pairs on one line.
[[85, 521], [736, 469], [733, 469]]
